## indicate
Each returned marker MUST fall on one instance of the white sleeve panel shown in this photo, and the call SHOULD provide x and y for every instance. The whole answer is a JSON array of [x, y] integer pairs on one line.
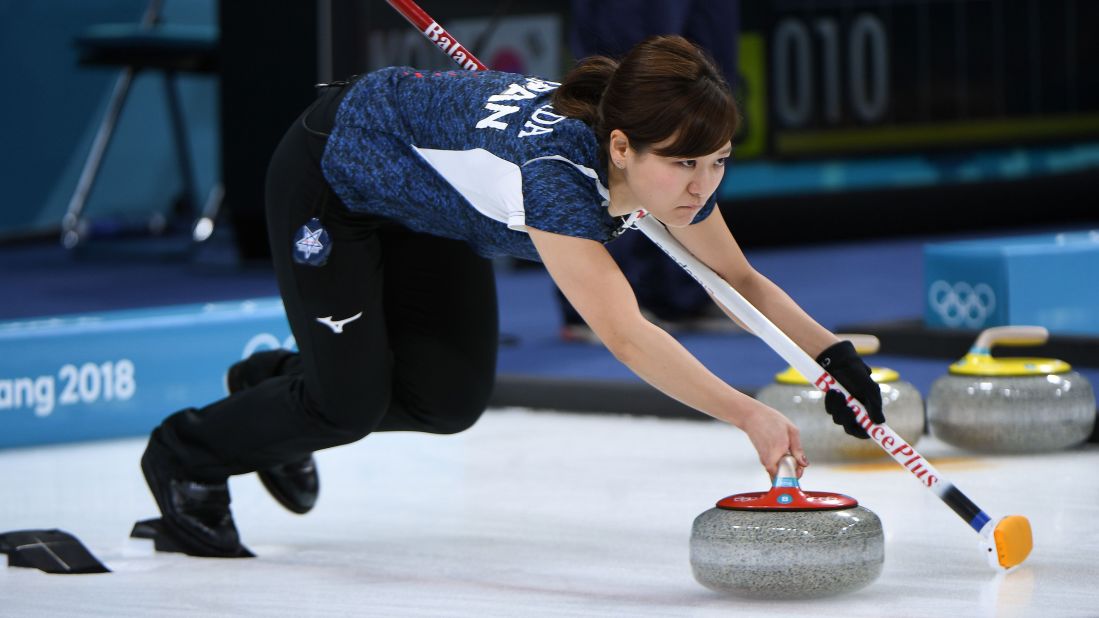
[[493, 186]]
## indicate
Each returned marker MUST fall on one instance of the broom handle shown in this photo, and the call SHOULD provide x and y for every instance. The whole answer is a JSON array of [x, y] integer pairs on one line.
[[437, 34]]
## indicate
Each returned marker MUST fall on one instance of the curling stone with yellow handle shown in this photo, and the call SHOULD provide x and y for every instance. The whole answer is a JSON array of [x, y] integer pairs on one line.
[[822, 440], [1011, 405]]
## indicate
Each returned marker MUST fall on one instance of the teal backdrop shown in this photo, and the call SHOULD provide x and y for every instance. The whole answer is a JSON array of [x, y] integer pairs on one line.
[[51, 107]]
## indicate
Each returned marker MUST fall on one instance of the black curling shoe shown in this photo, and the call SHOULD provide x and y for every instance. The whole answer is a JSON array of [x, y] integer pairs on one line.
[[294, 485], [195, 515]]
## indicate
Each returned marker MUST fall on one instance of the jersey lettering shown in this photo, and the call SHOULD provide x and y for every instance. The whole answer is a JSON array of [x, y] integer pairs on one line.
[[492, 121], [538, 85], [540, 122], [542, 115], [532, 129], [515, 92]]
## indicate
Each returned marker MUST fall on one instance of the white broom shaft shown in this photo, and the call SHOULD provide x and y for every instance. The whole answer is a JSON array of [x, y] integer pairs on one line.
[[763, 328]]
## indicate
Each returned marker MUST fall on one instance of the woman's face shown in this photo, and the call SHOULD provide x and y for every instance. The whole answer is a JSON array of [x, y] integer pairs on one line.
[[673, 189]]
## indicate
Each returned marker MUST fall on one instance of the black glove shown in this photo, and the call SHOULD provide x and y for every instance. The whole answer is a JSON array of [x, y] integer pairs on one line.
[[846, 366]]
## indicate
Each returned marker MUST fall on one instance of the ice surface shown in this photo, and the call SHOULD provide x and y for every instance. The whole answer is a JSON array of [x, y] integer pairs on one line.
[[541, 514]]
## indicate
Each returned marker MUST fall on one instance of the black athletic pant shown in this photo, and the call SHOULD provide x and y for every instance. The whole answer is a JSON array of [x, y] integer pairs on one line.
[[421, 357]]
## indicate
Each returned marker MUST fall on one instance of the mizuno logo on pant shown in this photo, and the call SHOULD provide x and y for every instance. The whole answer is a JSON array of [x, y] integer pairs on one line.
[[337, 325]]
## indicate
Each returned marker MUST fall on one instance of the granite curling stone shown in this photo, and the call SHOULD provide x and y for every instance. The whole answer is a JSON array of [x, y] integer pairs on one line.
[[786, 543], [824, 441], [1011, 405]]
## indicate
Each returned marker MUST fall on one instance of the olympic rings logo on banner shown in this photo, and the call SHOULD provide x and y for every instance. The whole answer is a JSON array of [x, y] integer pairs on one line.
[[962, 304], [267, 341]]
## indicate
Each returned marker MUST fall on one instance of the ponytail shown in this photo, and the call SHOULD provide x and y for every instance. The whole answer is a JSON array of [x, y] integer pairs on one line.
[[664, 87], [582, 89]]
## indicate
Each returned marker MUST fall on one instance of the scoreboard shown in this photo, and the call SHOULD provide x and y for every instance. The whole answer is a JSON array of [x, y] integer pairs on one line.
[[824, 78], [821, 79]]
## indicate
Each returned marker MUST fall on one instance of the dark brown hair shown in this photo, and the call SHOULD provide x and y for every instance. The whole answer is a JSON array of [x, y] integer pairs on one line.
[[662, 87]]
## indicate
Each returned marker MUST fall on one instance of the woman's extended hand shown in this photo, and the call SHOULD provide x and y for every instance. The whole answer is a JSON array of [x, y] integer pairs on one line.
[[773, 435]]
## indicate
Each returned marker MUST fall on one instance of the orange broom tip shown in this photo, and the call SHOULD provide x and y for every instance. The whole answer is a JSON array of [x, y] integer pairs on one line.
[[1012, 540]]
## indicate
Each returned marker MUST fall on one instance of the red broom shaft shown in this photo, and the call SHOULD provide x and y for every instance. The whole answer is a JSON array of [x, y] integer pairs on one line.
[[437, 34]]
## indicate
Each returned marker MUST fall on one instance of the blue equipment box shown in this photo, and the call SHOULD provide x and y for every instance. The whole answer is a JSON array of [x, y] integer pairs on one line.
[[1049, 280], [120, 373]]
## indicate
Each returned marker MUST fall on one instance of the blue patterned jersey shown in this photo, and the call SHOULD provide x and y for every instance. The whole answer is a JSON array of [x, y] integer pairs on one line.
[[476, 156]]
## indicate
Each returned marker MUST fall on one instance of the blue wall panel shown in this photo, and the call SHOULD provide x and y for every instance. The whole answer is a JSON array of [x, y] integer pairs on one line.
[[119, 373]]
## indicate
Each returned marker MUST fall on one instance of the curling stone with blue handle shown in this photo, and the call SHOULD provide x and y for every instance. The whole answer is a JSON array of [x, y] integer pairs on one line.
[[1011, 405], [824, 441], [787, 543]]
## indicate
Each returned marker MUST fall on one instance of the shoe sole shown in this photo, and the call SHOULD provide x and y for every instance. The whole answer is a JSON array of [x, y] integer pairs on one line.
[[156, 530]]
